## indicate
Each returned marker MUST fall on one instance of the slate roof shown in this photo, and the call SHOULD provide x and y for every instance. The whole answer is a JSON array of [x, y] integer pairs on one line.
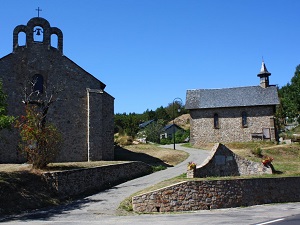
[[143, 125], [169, 126], [231, 97]]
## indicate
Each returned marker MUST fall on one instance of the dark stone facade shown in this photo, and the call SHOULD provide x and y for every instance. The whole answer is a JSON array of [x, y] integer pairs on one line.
[[84, 112]]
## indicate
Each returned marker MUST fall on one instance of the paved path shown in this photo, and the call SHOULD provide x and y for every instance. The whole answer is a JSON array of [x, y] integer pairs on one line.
[[107, 202], [101, 208]]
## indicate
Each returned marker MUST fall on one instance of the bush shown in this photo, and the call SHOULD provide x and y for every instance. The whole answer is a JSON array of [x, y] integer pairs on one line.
[[257, 152], [40, 140], [123, 140]]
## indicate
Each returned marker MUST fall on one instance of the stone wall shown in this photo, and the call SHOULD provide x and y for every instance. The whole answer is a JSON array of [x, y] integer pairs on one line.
[[223, 162], [230, 124], [78, 181], [214, 194]]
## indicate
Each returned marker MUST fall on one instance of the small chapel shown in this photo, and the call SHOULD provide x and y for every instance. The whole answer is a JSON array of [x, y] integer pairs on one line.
[[83, 111], [237, 114]]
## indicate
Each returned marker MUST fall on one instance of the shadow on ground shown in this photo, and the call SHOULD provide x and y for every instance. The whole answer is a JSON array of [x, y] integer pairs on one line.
[[47, 213], [122, 154]]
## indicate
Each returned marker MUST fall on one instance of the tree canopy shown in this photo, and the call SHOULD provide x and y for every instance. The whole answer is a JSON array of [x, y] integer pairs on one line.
[[289, 96], [129, 123], [5, 120]]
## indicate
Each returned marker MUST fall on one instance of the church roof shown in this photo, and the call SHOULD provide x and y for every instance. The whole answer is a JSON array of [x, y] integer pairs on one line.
[[231, 97]]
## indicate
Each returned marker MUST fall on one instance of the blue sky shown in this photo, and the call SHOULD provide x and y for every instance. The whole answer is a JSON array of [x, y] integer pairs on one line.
[[149, 52]]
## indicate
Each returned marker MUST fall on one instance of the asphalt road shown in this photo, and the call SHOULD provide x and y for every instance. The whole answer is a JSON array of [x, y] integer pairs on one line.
[[101, 208]]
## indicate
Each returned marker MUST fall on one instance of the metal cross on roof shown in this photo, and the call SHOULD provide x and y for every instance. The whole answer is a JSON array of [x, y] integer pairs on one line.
[[38, 9]]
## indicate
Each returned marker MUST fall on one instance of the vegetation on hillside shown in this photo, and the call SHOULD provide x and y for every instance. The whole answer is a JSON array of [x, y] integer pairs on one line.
[[129, 123], [5, 120], [289, 94]]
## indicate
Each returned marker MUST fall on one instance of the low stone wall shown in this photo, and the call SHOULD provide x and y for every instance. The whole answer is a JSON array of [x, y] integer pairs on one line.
[[201, 195], [78, 181], [223, 162]]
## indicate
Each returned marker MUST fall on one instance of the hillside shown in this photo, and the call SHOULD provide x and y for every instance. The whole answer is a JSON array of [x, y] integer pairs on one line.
[[183, 121]]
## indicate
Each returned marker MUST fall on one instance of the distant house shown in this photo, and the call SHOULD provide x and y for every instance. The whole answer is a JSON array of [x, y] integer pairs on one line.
[[145, 124], [233, 114], [169, 130], [142, 137]]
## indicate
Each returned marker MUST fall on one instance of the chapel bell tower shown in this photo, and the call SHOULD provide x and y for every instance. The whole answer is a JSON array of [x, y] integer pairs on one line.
[[264, 76]]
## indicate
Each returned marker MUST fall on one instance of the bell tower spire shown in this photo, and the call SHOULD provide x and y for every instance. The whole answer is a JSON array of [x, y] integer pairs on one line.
[[264, 75]]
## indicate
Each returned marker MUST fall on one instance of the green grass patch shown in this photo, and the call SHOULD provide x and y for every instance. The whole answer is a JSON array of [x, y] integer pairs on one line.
[[158, 168]]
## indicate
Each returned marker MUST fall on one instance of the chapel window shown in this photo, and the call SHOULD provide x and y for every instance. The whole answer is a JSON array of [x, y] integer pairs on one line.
[[244, 119], [216, 121], [38, 83]]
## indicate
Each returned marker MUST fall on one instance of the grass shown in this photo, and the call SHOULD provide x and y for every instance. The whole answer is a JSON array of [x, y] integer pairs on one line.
[[151, 154], [286, 160], [286, 157]]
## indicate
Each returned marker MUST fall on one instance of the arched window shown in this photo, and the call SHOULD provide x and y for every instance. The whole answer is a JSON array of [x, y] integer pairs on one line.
[[54, 41], [244, 119], [21, 39], [216, 121], [38, 83]]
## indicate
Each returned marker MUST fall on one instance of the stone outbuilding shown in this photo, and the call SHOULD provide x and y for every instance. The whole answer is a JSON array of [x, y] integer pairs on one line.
[[223, 162], [83, 112], [238, 114]]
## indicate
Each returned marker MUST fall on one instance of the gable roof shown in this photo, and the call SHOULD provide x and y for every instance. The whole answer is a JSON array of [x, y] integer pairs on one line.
[[143, 125], [231, 97], [170, 125]]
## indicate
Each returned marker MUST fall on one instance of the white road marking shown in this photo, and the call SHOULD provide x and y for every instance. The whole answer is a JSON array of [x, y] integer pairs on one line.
[[272, 221]]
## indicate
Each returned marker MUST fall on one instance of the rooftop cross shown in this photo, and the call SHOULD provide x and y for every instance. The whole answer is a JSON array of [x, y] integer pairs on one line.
[[38, 9]]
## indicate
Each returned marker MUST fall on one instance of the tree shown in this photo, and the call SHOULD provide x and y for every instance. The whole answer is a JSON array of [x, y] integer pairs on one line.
[[153, 131], [290, 99], [161, 113], [40, 139], [175, 109], [5, 120]]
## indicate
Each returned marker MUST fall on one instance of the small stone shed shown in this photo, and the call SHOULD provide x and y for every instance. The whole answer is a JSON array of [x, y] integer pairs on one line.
[[223, 162]]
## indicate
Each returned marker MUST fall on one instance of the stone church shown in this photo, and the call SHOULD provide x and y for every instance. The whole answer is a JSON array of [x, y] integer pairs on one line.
[[83, 112], [238, 114]]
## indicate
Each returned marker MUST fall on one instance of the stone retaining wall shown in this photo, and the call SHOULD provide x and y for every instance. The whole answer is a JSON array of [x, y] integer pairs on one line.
[[78, 181], [201, 195], [223, 162]]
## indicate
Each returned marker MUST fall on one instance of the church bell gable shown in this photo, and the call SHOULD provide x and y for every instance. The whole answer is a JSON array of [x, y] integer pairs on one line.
[[38, 31]]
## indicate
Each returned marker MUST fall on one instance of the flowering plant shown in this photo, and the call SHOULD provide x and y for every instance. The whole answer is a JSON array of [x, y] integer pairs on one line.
[[267, 160], [191, 165]]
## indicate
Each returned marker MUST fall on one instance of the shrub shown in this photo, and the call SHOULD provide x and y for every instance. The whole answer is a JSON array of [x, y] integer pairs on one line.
[[257, 151], [40, 140]]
